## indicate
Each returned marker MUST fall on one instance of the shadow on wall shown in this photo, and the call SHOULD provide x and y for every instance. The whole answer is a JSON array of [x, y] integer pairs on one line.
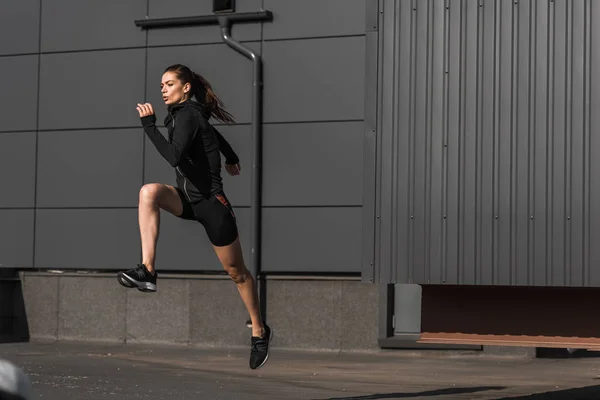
[[13, 318]]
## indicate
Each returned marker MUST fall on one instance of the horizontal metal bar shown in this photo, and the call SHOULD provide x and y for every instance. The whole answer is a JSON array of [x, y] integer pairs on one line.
[[173, 274], [409, 342], [213, 19]]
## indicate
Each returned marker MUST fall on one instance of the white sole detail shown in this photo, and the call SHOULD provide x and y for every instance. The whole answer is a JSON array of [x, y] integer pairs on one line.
[[141, 286]]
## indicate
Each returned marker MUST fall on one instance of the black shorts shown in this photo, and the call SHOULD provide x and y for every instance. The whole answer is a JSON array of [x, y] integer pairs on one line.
[[215, 214]]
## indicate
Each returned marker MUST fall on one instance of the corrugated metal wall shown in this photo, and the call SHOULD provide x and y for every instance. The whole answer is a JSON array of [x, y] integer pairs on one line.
[[73, 155], [487, 129]]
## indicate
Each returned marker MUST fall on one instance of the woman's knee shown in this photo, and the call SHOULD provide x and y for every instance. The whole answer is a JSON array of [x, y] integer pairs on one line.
[[149, 193], [238, 274]]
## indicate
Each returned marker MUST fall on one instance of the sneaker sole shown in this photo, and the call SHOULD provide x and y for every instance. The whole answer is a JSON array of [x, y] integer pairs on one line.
[[123, 282], [141, 286], [268, 351]]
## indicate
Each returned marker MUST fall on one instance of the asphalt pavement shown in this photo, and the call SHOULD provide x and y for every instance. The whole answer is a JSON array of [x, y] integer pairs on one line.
[[82, 371]]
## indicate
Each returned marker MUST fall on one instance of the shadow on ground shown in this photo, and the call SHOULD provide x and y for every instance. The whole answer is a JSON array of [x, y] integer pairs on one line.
[[584, 393], [559, 353], [13, 318], [439, 392]]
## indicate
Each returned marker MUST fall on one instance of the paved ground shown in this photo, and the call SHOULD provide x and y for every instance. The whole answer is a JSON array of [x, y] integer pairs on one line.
[[69, 371]]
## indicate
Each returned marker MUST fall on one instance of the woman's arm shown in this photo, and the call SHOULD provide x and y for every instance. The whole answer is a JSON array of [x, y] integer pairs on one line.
[[185, 129], [230, 157]]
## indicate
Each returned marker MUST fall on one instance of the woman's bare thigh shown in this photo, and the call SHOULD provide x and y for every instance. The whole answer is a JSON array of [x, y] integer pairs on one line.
[[166, 196]]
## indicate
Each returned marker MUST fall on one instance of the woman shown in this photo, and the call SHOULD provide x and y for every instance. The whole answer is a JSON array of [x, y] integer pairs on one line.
[[193, 148]]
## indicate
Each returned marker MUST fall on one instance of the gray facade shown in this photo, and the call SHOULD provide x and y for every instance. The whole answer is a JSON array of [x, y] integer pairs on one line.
[[480, 143], [73, 155]]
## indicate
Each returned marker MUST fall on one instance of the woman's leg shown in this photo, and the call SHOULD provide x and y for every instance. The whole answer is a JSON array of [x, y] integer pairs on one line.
[[153, 197], [233, 262], [219, 220]]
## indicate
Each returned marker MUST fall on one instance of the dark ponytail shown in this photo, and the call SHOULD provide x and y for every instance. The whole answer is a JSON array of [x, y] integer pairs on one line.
[[211, 99], [202, 90]]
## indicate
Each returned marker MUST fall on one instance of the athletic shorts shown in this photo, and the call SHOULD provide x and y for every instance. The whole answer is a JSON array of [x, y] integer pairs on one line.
[[215, 214]]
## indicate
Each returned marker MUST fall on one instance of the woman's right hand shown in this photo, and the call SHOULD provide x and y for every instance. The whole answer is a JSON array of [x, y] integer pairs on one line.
[[145, 109]]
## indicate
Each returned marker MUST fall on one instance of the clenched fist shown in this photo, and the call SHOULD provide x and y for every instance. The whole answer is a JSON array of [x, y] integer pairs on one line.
[[233, 170], [145, 109]]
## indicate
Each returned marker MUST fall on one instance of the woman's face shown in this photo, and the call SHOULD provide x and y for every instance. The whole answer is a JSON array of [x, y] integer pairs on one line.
[[173, 90]]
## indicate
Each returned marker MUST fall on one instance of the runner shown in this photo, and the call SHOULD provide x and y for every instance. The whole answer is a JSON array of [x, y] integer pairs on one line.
[[193, 148]]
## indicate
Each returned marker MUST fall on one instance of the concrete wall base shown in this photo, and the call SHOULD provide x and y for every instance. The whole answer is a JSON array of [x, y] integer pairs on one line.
[[315, 314], [324, 314]]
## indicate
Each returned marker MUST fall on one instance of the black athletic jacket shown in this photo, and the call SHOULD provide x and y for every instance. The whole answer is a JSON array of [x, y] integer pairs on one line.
[[192, 148]]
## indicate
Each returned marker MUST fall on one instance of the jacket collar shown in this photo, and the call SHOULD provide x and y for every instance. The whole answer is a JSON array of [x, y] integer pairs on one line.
[[174, 108]]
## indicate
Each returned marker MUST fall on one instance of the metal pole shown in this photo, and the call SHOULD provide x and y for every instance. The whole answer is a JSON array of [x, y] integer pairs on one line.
[[256, 176]]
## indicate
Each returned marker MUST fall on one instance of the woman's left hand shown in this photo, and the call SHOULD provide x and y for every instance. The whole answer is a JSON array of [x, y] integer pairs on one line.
[[234, 169]]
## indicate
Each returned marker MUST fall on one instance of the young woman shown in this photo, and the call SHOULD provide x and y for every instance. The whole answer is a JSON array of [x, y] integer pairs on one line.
[[193, 148]]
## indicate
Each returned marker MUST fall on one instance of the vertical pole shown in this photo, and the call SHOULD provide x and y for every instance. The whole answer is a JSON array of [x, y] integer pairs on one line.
[[256, 176]]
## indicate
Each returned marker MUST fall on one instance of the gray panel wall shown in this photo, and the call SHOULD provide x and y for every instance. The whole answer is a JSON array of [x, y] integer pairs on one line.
[[74, 155], [19, 20], [486, 135]]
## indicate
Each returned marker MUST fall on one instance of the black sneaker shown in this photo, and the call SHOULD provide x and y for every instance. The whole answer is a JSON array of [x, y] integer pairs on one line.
[[138, 278], [259, 352]]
